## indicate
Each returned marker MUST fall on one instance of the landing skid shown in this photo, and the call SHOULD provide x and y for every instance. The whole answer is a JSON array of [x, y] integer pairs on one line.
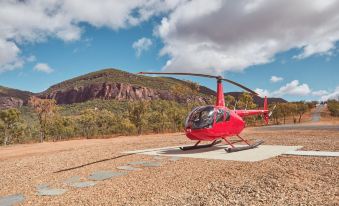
[[197, 146], [236, 149]]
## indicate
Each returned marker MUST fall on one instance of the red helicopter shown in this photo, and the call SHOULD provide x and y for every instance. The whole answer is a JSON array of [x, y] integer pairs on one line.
[[215, 122]]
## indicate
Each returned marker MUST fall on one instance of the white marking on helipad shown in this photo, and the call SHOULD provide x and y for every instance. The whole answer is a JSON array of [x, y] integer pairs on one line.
[[313, 153], [218, 152]]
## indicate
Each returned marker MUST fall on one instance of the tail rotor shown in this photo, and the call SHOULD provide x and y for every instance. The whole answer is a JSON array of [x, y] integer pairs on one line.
[[267, 114]]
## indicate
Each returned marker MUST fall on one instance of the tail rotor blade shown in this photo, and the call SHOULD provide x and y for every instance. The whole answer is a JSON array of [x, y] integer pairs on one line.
[[271, 112]]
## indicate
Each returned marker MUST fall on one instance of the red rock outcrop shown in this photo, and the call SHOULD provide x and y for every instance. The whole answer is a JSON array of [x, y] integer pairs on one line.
[[10, 102]]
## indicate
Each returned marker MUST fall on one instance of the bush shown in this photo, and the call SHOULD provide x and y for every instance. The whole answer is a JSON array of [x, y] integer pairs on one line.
[[333, 107]]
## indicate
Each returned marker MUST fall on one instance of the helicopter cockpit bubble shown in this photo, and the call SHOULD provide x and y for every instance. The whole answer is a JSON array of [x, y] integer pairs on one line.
[[201, 117]]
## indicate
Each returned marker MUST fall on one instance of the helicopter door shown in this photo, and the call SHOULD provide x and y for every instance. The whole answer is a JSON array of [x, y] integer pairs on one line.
[[220, 122]]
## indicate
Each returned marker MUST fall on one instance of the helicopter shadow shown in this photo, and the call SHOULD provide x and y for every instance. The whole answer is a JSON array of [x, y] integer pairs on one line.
[[174, 151]]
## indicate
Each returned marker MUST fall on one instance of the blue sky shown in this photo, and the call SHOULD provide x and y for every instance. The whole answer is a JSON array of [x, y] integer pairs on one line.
[[305, 65]]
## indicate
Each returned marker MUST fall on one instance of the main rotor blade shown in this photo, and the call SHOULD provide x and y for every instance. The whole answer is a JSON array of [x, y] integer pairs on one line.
[[202, 75], [241, 86], [182, 73]]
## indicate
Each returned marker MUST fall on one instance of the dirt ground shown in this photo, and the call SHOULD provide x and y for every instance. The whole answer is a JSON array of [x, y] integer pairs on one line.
[[283, 180]]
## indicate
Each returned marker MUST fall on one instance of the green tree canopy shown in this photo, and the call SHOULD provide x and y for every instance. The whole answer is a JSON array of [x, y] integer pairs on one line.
[[9, 118]]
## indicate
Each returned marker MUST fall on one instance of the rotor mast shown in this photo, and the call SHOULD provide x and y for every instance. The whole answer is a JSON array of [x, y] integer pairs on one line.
[[220, 93]]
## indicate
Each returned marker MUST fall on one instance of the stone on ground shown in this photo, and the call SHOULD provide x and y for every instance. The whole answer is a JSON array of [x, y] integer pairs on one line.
[[11, 200], [128, 168], [83, 184], [152, 164], [104, 175], [51, 192]]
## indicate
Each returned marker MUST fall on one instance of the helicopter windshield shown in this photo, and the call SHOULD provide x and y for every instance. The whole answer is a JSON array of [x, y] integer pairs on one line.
[[201, 117]]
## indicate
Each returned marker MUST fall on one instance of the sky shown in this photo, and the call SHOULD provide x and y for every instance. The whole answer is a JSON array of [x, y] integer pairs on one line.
[[279, 48]]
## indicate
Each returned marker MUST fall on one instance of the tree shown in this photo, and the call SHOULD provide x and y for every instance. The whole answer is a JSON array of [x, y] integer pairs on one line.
[[136, 114], [44, 108], [229, 101], [294, 113], [176, 115], [277, 113], [246, 100], [106, 122], [60, 127], [333, 107], [9, 118], [285, 110], [126, 127], [87, 121], [301, 108]]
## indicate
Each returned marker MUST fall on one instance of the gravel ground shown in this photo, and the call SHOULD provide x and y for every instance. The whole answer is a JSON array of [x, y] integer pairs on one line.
[[283, 180]]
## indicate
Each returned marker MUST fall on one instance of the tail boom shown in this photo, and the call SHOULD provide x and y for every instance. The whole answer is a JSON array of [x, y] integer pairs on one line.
[[264, 112]]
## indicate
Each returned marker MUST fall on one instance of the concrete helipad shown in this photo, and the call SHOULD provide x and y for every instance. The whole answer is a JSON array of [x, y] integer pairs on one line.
[[313, 153], [218, 152]]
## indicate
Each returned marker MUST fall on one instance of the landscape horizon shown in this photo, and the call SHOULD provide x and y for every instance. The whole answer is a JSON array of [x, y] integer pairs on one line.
[[169, 102]]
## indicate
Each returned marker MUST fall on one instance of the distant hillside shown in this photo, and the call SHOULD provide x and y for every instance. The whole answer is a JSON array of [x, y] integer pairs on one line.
[[258, 100], [115, 84], [120, 85], [13, 97]]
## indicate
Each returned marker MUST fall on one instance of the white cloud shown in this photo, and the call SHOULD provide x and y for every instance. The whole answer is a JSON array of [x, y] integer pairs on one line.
[[31, 58], [206, 37], [333, 95], [43, 67], [232, 35], [9, 56], [293, 88], [34, 21], [320, 93], [262, 92], [275, 79], [142, 45]]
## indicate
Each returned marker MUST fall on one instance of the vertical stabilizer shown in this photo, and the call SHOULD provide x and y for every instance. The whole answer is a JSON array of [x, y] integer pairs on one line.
[[266, 116]]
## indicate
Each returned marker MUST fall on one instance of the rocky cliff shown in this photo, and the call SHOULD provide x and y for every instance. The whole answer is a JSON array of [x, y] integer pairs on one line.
[[10, 98], [10, 102]]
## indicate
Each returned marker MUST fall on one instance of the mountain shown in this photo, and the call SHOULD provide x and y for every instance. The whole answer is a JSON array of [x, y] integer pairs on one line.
[[120, 85], [13, 97], [258, 100]]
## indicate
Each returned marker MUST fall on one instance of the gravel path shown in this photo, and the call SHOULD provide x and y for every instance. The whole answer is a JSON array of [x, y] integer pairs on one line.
[[284, 180], [316, 115]]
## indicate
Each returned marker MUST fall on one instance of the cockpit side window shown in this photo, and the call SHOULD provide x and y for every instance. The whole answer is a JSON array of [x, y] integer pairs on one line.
[[228, 115], [219, 116], [201, 117]]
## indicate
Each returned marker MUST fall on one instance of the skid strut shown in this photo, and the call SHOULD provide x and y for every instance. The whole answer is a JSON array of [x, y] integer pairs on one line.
[[236, 149], [197, 146], [250, 146]]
